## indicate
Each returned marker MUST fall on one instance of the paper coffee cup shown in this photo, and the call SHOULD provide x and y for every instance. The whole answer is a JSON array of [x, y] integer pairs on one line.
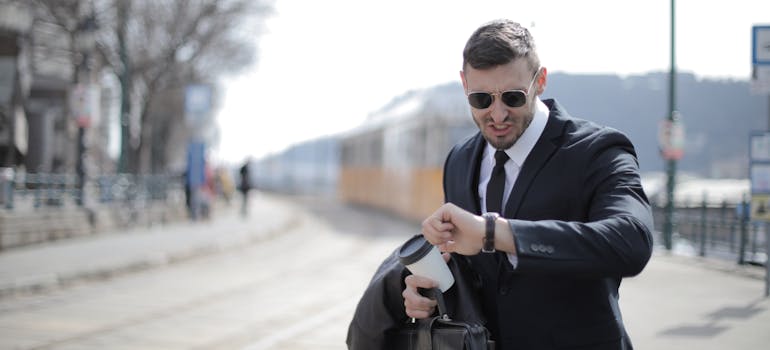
[[424, 259]]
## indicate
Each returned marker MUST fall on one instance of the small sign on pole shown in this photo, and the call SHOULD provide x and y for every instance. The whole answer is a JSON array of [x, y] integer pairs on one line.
[[84, 104], [760, 59], [197, 103], [671, 138]]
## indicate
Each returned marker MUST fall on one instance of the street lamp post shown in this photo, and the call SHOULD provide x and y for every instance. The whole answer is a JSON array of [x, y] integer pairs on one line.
[[668, 224], [83, 99]]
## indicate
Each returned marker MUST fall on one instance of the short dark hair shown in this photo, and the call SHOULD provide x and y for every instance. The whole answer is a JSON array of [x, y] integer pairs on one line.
[[499, 42]]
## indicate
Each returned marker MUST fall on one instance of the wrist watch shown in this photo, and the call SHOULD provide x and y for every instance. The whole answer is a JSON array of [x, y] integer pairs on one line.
[[489, 232]]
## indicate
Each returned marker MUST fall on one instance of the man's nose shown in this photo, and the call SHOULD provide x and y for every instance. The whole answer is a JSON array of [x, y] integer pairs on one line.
[[497, 111]]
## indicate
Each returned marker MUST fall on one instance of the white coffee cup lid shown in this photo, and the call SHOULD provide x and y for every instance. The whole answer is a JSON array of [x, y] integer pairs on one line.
[[413, 250]]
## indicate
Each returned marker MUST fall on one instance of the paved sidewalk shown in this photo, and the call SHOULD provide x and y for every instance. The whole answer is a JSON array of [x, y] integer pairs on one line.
[[107, 254], [681, 302]]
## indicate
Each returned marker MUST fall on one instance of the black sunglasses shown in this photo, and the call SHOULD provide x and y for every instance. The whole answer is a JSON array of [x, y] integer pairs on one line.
[[511, 98]]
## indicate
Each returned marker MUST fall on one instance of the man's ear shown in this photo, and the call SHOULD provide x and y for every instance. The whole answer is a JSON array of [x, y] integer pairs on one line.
[[462, 78], [542, 80]]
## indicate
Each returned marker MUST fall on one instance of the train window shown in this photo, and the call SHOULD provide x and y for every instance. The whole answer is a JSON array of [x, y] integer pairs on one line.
[[416, 154], [375, 149]]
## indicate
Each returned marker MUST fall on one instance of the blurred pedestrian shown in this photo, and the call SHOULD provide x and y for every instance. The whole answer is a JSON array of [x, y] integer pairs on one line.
[[187, 192], [549, 209], [207, 191], [224, 184], [245, 186]]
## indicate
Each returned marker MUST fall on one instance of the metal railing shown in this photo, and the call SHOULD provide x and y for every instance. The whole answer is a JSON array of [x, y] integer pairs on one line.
[[36, 208], [34, 190], [721, 231]]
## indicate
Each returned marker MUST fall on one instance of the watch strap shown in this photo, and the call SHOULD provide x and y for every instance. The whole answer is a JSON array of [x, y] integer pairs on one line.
[[489, 232]]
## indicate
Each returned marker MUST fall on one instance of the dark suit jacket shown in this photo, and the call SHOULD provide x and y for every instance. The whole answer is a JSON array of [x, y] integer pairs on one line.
[[581, 222], [380, 312]]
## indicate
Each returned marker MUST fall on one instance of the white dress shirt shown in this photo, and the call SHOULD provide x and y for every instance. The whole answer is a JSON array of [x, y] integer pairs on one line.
[[518, 154]]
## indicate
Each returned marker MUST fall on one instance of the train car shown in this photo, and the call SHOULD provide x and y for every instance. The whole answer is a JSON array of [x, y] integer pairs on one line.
[[309, 167], [394, 160]]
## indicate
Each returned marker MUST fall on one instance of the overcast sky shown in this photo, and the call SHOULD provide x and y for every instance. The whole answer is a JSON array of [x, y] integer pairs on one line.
[[325, 65]]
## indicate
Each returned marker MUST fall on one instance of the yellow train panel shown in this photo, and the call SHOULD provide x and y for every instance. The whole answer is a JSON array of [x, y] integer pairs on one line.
[[410, 193]]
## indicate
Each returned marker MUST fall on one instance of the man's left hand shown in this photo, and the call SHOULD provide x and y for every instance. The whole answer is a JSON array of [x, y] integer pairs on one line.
[[454, 230]]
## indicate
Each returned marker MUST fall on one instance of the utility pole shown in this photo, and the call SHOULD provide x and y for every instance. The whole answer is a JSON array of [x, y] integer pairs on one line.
[[668, 224]]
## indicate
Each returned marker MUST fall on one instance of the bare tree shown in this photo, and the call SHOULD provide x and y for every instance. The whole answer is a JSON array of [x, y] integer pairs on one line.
[[157, 47], [175, 42]]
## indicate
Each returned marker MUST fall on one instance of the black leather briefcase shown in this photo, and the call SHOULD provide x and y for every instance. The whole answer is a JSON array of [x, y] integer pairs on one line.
[[441, 333], [380, 323]]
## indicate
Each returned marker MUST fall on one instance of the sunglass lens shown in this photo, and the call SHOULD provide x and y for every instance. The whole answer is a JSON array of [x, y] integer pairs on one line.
[[480, 100], [514, 98]]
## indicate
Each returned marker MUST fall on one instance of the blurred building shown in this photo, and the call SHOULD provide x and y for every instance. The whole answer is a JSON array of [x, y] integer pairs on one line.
[[49, 81], [15, 23]]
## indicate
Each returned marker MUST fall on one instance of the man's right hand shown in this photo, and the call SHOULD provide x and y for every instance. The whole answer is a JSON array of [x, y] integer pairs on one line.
[[417, 305]]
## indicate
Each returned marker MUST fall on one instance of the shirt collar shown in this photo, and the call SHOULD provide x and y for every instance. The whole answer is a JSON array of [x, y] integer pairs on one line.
[[520, 150]]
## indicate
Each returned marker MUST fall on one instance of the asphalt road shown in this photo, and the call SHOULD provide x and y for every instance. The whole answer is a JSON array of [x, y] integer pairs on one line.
[[298, 290]]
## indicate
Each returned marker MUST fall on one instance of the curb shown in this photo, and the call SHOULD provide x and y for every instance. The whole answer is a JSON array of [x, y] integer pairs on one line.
[[714, 264], [53, 281]]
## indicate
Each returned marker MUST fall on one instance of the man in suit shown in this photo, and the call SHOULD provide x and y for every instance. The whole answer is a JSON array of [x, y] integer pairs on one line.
[[549, 208]]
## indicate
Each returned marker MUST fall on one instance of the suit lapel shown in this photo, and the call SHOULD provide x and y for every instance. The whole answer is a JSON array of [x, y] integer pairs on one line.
[[544, 148], [474, 152]]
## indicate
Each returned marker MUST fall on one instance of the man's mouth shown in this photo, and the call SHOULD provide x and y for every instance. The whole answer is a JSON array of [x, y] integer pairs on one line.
[[499, 129]]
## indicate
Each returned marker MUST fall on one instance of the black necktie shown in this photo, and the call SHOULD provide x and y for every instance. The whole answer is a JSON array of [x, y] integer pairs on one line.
[[496, 185]]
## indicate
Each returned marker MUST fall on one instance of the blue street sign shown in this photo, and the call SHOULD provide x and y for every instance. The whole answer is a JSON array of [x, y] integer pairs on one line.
[[197, 98], [760, 45]]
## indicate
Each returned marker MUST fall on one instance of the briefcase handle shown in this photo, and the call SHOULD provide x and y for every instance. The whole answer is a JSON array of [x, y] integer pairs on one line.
[[438, 296]]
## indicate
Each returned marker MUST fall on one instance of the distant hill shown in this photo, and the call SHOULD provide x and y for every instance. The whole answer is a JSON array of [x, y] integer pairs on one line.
[[718, 116]]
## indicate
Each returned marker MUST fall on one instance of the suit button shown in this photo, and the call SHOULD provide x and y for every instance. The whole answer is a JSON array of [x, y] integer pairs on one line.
[[504, 290], [549, 249], [535, 247]]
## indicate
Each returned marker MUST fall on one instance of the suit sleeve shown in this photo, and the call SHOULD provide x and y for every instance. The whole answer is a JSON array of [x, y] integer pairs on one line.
[[381, 307], [614, 239]]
